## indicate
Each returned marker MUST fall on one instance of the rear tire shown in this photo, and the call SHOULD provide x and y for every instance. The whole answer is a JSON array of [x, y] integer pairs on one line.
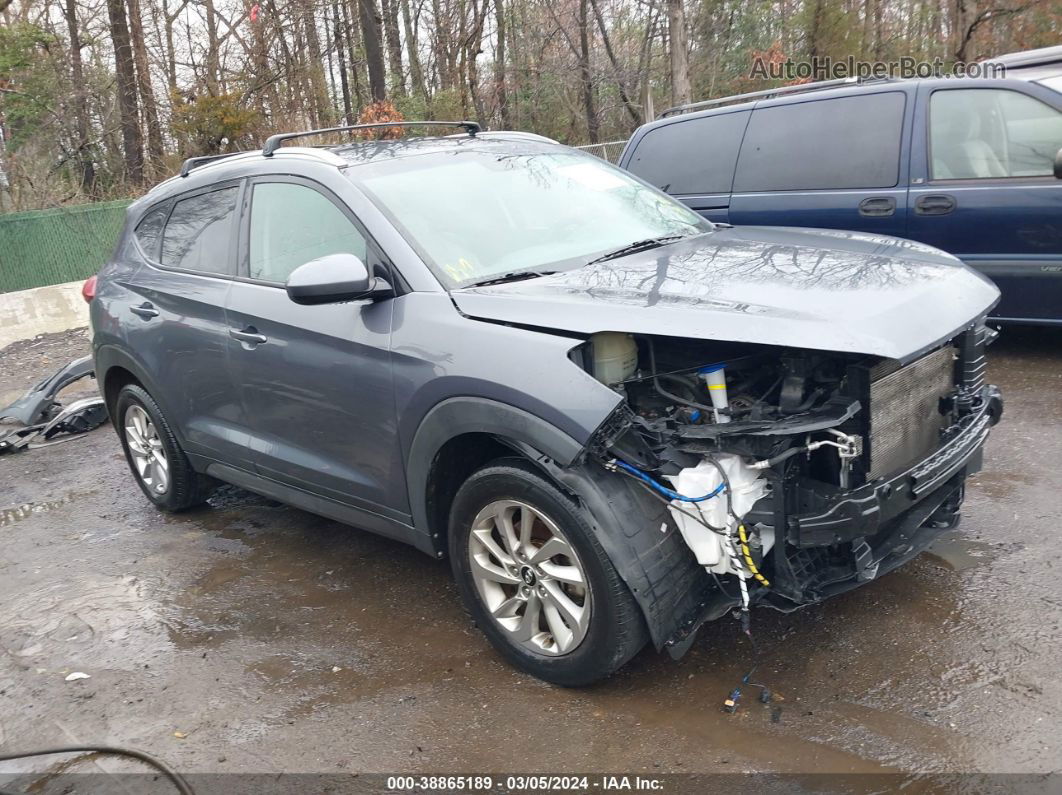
[[154, 455], [548, 599]]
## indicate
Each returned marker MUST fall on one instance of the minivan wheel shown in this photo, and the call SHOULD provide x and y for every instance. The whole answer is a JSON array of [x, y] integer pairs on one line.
[[155, 457], [535, 579]]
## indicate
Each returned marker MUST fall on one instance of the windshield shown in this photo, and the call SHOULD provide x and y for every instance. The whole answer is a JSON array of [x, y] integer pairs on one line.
[[477, 214]]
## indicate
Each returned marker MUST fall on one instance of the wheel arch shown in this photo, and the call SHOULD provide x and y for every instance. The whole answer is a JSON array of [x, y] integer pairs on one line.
[[459, 435], [114, 369]]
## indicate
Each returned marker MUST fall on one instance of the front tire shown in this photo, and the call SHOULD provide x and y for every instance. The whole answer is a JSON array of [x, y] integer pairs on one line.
[[155, 457], [536, 580]]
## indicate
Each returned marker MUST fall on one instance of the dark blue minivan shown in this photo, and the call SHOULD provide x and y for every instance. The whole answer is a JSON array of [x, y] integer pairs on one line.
[[966, 165]]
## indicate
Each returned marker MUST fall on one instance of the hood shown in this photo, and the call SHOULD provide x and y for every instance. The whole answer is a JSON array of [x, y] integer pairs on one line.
[[801, 288]]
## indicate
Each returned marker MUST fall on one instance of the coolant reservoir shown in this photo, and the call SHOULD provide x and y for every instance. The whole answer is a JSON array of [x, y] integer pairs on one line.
[[615, 356]]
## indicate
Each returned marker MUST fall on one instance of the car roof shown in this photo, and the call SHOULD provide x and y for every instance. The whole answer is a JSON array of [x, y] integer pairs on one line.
[[252, 163]]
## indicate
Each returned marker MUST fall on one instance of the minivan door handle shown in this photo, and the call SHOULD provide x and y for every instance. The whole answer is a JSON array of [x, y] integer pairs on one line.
[[935, 204], [249, 336], [877, 206], [145, 310]]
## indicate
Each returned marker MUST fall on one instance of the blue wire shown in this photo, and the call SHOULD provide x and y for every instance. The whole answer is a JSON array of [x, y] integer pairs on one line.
[[664, 489]]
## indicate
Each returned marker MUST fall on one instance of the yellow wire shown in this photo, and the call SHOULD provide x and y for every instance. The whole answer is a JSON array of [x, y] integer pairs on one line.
[[748, 556]]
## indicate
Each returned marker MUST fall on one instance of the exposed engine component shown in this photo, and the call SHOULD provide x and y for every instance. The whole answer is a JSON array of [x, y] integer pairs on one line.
[[714, 548], [615, 357]]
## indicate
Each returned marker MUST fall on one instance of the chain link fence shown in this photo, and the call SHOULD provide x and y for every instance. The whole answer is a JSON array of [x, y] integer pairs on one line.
[[59, 245], [610, 150]]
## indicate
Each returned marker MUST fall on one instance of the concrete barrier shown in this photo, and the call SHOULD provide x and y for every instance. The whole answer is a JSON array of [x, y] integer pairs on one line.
[[43, 310]]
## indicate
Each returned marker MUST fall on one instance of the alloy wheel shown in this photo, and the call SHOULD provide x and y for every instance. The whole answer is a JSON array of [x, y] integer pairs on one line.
[[529, 577], [145, 448]]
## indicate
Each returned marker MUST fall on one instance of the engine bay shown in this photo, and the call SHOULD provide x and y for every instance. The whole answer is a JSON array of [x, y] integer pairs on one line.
[[736, 438]]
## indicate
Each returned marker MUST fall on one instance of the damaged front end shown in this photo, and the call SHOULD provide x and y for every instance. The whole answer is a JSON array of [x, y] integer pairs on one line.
[[791, 475]]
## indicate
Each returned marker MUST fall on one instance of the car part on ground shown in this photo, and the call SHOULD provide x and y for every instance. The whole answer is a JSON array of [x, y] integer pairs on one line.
[[39, 404], [45, 420]]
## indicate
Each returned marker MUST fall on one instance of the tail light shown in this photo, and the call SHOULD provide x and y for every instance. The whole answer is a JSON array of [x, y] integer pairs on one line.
[[88, 289]]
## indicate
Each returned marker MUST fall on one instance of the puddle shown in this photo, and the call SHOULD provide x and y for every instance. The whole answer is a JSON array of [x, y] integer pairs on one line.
[[958, 553], [9, 516]]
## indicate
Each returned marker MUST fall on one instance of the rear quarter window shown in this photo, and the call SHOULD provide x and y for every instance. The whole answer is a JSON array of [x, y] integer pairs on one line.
[[695, 156], [845, 142], [148, 232]]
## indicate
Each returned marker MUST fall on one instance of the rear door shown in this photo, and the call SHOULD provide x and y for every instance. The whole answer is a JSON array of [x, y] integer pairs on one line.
[[836, 163], [983, 188], [316, 381], [691, 158], [177, 317]]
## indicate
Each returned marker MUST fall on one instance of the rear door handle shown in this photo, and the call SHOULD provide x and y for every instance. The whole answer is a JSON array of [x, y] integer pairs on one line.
[[145, 310], [249, 335], [935, 204], [877, 206]]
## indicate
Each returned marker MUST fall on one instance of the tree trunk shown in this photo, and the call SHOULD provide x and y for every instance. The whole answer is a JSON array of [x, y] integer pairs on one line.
[[211, 65], [370, 35], [344, 81], [394, 45], [88, 170], [321, 112], [155, 150], [132, 142], [585, 74], [680, 68], [416, 71], [499, 65]]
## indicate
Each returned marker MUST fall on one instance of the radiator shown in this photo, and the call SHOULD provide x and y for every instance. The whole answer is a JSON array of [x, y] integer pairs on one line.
[[905, 417]]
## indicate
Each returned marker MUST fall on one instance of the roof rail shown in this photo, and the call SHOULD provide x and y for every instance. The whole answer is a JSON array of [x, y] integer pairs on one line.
[[196, 162], [774, 92], [273, 142], [1027, 58]]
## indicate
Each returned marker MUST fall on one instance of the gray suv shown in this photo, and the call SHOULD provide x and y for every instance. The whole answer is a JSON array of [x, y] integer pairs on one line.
[[616, 419]]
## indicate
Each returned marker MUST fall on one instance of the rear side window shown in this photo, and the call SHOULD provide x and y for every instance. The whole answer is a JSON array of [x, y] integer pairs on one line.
[[848, 142], [199, 232], [149, 232], [990, 133], [292, 224], [694, 156]]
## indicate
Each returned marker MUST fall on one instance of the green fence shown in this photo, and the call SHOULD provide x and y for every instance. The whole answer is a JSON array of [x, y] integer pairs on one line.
[[55, 246]]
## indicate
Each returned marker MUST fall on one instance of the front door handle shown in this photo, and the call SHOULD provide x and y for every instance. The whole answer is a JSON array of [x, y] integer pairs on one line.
[[935, 204], [877, 206], [249, 335], [145, 310]]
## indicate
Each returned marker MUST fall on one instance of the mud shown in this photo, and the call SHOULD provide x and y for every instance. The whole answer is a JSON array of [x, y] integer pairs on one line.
[[248, 636]]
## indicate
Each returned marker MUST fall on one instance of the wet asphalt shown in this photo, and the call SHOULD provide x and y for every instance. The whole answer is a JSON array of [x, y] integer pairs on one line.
[[249, 636]]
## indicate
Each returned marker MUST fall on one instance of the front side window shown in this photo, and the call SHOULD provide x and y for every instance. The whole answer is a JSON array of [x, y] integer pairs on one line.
[[479, 213], [826, 144], [991, 133], [199, 232], [292, 224]]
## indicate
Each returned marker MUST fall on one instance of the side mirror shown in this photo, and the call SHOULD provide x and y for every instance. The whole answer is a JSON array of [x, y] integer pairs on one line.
[[333, 279], [1058, 164]]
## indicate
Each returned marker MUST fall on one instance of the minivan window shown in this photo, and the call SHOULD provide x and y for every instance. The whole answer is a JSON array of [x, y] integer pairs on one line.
[[827, 144], [692, 156], [149, 231], [292, 224], [990, 133], [198, 232]]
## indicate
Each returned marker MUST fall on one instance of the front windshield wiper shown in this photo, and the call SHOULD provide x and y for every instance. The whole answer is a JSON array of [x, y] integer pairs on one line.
[[636, 246], [514, 276]]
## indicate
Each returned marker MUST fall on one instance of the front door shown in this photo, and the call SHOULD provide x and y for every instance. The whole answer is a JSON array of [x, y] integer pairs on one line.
[[316, 381], [983, 189]]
